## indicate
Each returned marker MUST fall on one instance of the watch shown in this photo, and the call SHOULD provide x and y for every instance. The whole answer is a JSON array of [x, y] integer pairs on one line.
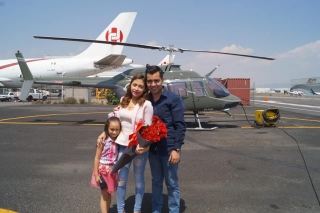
[[177, 150]]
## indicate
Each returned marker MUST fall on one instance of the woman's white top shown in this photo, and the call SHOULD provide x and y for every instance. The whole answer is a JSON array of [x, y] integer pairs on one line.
[[130, 118]]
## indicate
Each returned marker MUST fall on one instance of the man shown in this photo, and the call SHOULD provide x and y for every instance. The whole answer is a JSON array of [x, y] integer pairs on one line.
[[164, 156]]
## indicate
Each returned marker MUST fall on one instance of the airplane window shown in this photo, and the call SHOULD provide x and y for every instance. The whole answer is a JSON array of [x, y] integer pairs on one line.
[[198, 88], [217, 88], [180, 88]]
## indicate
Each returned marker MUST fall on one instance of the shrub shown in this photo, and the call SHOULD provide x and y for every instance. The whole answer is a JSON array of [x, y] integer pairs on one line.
[[82, 101], [112, 98], [70, 100]]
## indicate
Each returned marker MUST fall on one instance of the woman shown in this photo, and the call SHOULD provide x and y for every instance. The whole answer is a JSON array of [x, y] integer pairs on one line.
[[134, 107]]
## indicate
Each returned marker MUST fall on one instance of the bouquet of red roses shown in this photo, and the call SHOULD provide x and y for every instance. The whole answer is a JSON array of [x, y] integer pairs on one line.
[[144, 136], [151, 133]]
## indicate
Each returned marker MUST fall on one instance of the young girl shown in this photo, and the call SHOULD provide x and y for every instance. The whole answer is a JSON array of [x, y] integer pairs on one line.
[[106, 156]]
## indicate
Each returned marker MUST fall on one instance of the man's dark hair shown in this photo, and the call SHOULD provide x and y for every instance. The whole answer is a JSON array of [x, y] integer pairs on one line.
[[153, 69]]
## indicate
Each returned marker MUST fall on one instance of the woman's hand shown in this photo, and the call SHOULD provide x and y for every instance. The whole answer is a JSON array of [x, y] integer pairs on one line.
[[116, 109], [141, 150], [101, 138]]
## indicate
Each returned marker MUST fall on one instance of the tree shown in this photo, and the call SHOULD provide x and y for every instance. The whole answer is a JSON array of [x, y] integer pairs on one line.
[[111, 97]]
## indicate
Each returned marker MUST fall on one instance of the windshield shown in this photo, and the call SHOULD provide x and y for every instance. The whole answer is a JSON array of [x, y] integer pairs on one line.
[[217, 88]]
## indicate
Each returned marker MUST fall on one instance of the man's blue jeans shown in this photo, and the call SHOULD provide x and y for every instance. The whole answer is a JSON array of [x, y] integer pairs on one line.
[[161, 169], [139, 165]]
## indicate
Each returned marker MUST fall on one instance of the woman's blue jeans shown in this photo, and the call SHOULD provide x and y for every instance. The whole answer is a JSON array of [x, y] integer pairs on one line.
[[139, 165]]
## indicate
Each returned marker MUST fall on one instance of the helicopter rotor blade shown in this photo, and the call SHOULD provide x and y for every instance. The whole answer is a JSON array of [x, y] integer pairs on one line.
[[170, 48], [235, 54], [98, 41]]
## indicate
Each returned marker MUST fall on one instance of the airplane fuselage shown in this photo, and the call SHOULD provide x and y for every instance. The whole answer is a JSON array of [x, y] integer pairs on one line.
[[10, 73]]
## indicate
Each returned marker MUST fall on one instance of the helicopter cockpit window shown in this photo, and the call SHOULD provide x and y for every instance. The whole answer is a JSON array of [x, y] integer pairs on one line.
[[217, 88], [198, 88], [180, 88]]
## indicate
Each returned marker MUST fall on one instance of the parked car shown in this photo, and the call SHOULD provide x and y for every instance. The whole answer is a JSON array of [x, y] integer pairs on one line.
[[7, 97]]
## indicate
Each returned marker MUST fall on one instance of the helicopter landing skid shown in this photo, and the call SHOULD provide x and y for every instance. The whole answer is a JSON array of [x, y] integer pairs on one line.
[[200, 128]]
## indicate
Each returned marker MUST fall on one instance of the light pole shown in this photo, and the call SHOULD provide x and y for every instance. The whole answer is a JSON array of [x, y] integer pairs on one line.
[[63, 74]]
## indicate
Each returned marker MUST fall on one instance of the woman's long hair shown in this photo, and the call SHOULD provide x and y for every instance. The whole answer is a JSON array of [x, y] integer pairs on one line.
[[128, 96]]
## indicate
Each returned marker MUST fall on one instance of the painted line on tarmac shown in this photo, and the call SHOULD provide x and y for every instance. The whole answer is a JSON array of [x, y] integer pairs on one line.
[[6, 211], [286, 127], [29, 123], [289, 107], [282, 103], [300, 119], [5, 121], [48, 115]]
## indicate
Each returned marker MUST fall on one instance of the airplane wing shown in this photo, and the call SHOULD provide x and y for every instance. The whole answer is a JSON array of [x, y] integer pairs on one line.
[[111, 60], [5, 79]]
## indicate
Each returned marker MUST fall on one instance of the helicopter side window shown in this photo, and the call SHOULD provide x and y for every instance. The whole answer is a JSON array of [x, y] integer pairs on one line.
[[198, 88], [217, 88], [180, 88]]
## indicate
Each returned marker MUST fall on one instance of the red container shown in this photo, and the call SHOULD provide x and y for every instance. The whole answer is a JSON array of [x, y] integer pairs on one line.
[[239, 87]]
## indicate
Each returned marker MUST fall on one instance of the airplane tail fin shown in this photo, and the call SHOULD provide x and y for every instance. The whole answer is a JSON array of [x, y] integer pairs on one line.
[[312, 92], [27, 77], [117, 31], [166, 60]]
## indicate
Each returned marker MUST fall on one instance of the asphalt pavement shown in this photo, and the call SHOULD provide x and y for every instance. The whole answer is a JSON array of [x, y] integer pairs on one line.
[[47, 152]]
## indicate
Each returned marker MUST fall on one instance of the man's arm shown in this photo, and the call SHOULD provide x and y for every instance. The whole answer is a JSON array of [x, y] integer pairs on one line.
[[177, 113]]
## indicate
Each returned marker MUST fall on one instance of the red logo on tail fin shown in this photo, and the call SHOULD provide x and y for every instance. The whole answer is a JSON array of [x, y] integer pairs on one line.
[[114, 35]]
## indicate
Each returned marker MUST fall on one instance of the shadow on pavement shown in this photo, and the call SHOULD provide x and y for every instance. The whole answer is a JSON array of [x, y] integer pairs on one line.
[[146, 204]]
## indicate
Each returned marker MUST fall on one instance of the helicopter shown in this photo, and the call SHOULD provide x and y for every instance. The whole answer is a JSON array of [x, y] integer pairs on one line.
[[199, 93]]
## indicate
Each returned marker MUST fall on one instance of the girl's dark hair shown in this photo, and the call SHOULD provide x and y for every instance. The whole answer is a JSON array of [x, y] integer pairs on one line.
[[127, 97], [106, 125], [153, 69]]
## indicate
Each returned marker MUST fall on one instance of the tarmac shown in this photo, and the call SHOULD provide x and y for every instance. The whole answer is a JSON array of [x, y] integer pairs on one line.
[[47, 152]]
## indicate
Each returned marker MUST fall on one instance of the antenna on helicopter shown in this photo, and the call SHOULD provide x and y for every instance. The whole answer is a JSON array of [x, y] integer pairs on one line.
[[207, 75]]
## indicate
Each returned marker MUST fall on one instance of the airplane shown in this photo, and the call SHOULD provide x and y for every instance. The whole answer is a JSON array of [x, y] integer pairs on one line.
[[95, 59], [314, 93], [199, 93]]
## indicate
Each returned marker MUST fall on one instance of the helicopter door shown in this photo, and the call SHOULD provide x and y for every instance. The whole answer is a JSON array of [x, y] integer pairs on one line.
[[198, 93], [190, 92]]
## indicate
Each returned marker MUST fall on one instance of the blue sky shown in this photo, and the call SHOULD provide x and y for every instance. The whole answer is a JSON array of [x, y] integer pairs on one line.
[[287, 30]]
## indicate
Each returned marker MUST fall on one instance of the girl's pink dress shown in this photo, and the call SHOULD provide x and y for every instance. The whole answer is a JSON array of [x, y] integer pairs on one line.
[[111, 180]]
